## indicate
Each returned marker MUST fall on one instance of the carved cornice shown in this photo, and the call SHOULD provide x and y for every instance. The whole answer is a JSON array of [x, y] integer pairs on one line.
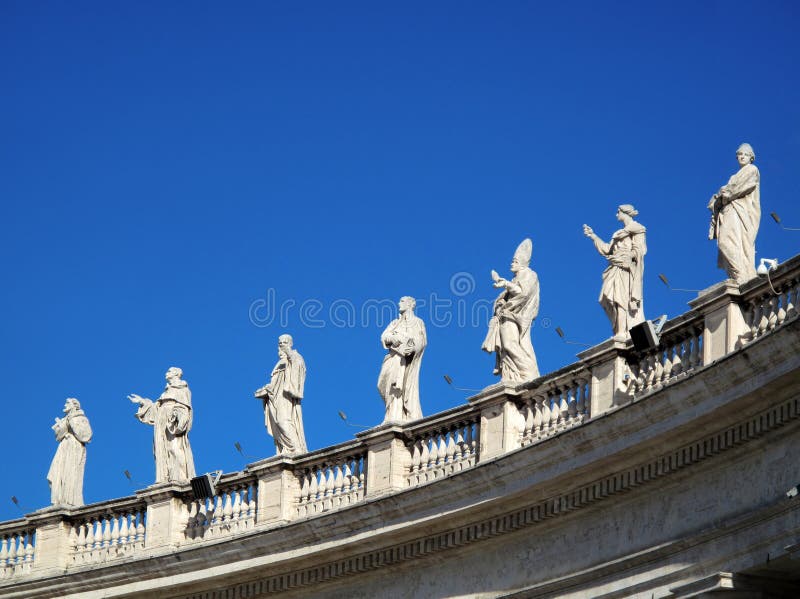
[[623, 481]]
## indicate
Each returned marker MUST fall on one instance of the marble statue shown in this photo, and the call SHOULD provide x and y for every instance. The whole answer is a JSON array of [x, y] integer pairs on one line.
[[735, 216], [171, 418], [66, 471], [281, 397], [509, 335], [398, 381], [621, 294]]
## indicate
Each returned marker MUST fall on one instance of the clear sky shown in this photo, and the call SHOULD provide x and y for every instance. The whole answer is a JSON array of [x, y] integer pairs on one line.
[[182, 182]]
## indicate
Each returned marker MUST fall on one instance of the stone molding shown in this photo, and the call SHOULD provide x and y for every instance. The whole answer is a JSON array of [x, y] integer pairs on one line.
[[623, 481]]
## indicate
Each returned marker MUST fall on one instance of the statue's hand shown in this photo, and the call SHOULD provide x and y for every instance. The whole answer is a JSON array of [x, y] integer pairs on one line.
[[587, 230], [495, 276], [500, 282], [136, 399]]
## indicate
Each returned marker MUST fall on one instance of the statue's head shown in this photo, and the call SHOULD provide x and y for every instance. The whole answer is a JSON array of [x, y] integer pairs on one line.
[[173, 373], [745, 154], [626, 209], [71, 404], [407, 303], [522, 257], [285, 342]]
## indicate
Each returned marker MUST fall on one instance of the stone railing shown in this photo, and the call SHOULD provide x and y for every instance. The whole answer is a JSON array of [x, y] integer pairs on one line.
[[232, 509], [396, 458], [332, 480], [679, 353], [442, 447], [107, 531], [562, 402], [773, 302], [17, 545]]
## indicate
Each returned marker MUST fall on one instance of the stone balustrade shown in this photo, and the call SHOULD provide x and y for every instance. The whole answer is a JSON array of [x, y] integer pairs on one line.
[[441, 448], [17, 543], [563, 402], [232, 509], [395, 458], [335, 479], [107, 531]]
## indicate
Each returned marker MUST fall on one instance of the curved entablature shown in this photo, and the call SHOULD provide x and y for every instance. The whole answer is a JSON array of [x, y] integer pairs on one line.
[[618, 427]]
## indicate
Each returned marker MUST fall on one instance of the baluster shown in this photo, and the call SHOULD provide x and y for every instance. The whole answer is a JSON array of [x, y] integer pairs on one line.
[[106, 531], [347, 484], [416, 459], [528, 427], [763, 322], [773, 312], [236, 512], [140, 516], [580, 400], [782, 300], [461, 447], [29, 546], [563, 407], [433, 457], [791, 300], [314, 489], [555, 412], [80, 538], [426, 453], [361, 465], [755, 319], [694, 352], [450, 452], [338, 481], [666, 369], [251, 500], [441, 450], [12, 549], [126, 531], [471, 441], [114, 525], [227, 506], [3, 550], [572, 401]]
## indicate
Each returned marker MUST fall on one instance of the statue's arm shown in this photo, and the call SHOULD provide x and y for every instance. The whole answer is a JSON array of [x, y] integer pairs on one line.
[[741, 185]]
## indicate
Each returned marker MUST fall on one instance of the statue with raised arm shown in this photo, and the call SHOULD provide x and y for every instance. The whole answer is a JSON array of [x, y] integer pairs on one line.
[[621, 293], [281, 397], [171, 418], [66, 471], [398, 381], [515, 309], [735, 216]]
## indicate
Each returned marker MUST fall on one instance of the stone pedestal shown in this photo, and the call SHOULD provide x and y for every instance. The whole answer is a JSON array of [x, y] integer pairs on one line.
[[724, 328], [52, 538], [278, 488], [501, 422], [388, 459], [610, 374], [166, 513]]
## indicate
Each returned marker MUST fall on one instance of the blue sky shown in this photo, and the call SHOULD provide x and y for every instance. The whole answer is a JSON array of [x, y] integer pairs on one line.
[[165, 167]]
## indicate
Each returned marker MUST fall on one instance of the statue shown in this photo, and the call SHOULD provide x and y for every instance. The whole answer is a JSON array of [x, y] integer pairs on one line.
[[621, 294], [398, 381], [735, 216], [171, 418], [283, 415], [509, 335], [66, 471]]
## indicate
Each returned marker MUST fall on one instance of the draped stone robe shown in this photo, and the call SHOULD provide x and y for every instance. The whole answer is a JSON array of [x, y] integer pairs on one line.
[[171, 418], [66, 471], [509, 335], [398, 381], [737, 224], [621, 293], [283, 415]]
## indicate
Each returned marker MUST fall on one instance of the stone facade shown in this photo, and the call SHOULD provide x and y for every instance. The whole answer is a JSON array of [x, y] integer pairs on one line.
[[661, 473]]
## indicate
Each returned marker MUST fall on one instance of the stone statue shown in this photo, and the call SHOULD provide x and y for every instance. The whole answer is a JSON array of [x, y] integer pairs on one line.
[[735, 216], [509, 335], [283, 415], [621, 294], [171, 418], [398, 381], [66, 471]]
